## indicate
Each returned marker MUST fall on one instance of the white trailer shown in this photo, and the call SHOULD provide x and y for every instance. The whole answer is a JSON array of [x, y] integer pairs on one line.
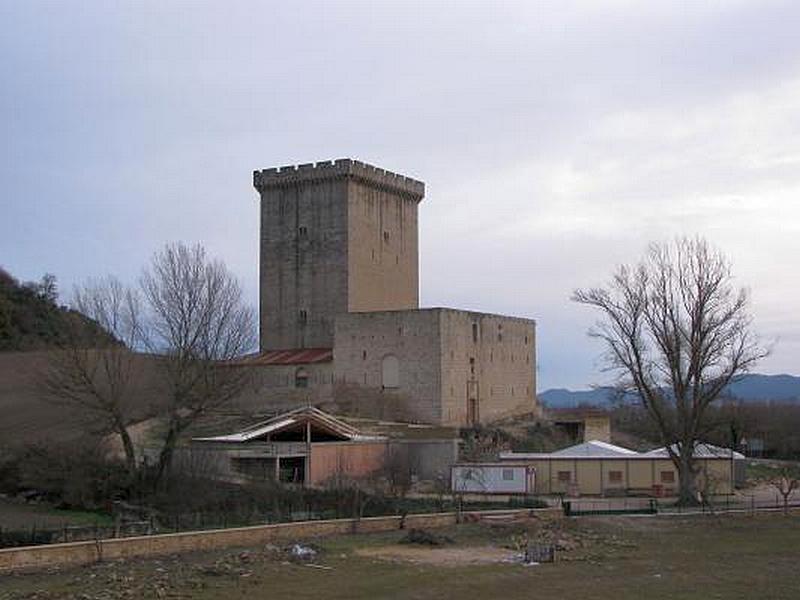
[[493, 478]]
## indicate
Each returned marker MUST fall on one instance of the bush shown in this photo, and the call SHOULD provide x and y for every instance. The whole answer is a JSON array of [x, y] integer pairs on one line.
[[72, 475]]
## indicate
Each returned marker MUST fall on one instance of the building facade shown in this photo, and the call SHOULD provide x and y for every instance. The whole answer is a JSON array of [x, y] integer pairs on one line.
[[597, 468], [339, 276], [449, 366]]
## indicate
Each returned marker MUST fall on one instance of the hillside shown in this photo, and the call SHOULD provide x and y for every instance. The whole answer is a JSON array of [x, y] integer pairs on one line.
[[750, 388], [31, 319]]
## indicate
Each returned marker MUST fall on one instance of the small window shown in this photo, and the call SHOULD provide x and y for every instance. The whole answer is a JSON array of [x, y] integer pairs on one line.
[[615, 476], [301, 378], [302, 232], [565, 476], [526, 339], [386, 237], [472, 366], [364, 355], [667, 476], [508, 474], [302, 317], [475, 332]]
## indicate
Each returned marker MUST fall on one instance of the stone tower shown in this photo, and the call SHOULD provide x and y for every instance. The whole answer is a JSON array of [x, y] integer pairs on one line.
[[336, 237]]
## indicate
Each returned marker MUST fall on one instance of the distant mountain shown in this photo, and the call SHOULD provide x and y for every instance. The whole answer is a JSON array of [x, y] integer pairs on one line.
[[753, 387], [564, 398]]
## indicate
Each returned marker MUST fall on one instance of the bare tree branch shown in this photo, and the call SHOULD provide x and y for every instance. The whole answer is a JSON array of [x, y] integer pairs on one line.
[[95, 372], [678, 331], [197, 322]]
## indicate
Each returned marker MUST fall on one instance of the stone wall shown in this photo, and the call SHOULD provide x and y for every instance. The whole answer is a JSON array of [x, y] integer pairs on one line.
[[364, 340], [597, 428], [495, 356], [272, 388], [383, 253], [444, 356], [335, 237], [303, 269], [84, 553]]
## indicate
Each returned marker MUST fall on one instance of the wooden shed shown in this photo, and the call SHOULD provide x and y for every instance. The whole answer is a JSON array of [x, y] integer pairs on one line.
[[304, 446]]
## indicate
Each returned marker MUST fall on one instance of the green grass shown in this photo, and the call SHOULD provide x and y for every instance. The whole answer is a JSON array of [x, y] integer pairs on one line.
[[16, 515], [618, 558]]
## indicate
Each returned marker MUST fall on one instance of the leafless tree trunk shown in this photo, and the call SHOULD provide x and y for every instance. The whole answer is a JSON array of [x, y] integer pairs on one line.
[[197, 322], [786, 485], [678, 331], [95, 371]]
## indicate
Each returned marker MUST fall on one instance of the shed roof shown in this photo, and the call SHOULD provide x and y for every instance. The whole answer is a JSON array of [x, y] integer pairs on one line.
[[701, 450], [596, 449], [318, 419], [590, 449], [295, 356]]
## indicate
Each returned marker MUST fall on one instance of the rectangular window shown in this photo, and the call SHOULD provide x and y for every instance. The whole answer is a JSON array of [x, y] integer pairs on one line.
[[667, 476], [508, 474], [474, 332], [615, 476], [565, 476]]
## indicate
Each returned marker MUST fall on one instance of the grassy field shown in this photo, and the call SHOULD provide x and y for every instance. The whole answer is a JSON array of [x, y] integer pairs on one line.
[[17, 515], [619, 558]]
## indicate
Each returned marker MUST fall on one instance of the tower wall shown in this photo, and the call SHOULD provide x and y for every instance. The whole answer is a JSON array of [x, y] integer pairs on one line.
[[383, 253], [335, 237]]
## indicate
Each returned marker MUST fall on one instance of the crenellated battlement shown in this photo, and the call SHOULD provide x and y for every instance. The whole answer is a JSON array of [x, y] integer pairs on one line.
[[340, 168]]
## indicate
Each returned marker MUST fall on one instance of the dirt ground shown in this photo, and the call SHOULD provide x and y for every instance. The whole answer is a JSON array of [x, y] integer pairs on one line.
[[612, 557], [443, 557]]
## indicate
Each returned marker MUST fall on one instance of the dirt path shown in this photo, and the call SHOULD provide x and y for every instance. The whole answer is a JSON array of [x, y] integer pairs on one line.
[[438, 556]]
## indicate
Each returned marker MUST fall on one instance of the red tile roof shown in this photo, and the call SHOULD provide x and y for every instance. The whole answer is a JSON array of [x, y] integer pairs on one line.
[[297, 356]]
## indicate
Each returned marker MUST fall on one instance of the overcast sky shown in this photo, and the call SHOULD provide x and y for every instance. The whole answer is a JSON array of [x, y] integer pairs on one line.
[[556, 140]]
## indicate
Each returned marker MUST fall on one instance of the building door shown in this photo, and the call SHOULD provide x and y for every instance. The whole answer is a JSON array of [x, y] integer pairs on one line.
[[473, 405]]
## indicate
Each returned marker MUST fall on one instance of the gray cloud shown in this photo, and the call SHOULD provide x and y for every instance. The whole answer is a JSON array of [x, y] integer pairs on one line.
[[556, 138]]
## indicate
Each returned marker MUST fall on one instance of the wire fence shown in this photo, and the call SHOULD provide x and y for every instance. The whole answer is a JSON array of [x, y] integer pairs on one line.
[[720, 504], [356, 507]]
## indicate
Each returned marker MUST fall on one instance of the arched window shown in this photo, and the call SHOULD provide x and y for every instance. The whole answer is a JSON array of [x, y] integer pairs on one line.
[[301, 378], [390, 372]]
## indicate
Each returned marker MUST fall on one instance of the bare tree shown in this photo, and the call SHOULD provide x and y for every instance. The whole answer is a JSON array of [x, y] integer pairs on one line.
[[678, 331], [197, 322], [786, 485], [94, 370]]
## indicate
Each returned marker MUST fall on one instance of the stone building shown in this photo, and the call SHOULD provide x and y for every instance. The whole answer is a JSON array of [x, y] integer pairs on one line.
[[340, 320]]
